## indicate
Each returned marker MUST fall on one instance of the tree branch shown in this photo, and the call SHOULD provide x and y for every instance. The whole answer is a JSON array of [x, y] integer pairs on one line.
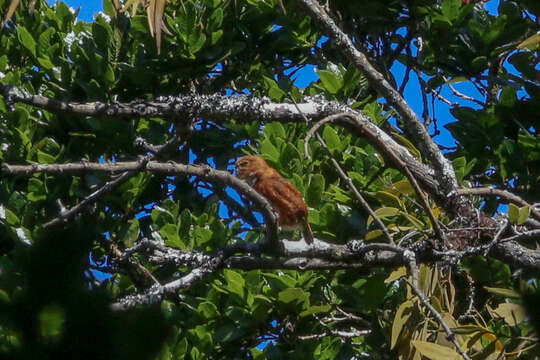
[[487, 191], [218, 108], [414, 127], [169, 168]]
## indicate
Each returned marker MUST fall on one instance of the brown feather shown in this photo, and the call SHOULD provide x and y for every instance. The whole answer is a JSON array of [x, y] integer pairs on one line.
[[280, 192]]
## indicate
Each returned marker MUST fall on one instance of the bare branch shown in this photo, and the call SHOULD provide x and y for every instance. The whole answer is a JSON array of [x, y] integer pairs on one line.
[[487, 191], [158, 293], [213, 107], [109, 186], [346, 334], [461, 95]]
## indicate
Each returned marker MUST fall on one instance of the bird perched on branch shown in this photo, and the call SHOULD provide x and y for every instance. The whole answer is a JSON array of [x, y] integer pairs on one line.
[[284, 196]]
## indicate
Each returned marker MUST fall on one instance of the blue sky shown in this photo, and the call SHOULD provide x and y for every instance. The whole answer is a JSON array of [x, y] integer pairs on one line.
[[88, 7]]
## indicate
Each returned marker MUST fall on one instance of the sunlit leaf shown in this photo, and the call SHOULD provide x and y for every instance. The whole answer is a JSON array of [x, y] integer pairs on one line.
[[434, 351]]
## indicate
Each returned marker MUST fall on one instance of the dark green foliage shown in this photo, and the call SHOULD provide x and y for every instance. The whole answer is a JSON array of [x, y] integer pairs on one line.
[[51, 306]]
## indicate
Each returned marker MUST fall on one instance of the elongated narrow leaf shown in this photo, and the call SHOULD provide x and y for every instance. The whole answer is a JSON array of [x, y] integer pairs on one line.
[[403, 314], [434, 351]]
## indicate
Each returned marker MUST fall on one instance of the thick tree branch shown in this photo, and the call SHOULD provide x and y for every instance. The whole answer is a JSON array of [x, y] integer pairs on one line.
[[214, 107]]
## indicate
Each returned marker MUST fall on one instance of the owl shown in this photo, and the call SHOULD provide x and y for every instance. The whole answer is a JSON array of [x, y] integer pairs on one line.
[[284, 196]]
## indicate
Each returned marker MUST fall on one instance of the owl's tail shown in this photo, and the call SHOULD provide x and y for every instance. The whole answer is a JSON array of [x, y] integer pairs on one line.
[[308, 234]]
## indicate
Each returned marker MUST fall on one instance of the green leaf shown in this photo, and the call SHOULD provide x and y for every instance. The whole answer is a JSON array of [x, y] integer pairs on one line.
[[315, 310], [509, 293], [331, 139], [36, 190], [26, 39], [524, 213], [269, 151], [331, 81], [4, 297], [383, 213], [131, 233], [228, 333], [292, 295], [508, 97], [216, 19], [434, 351], [45, 62], [45, 158], [414, 220], [402, 187], [108, 74], [170, 233], [44, 39], [373, 235], [275, 129], [409, 145], [196, 42], [235, 282], [273, 89], [11, 218], [468, 329], [403, 314], [208, 310], [450, 8], [315, 190], [202, 236], [388, 199], [51, 321], [3, 62], [513, 314], [513, 213], [396, 274]]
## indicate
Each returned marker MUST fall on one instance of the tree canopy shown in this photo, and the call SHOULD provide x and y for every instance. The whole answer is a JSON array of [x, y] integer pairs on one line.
[[125, 234]]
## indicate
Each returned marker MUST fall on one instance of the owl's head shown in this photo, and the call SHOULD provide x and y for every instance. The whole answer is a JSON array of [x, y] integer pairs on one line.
[[251, 168]]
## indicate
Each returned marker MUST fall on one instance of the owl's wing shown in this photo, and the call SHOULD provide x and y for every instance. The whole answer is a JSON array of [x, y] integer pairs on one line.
[[284, 197]]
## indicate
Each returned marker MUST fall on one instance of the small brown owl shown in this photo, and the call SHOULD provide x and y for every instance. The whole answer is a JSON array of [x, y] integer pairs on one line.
[[284, 196]]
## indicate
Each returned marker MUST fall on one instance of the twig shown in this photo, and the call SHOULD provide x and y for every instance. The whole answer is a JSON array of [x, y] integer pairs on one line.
[[496, 238], [531, 234], [352, 333], [461, 95], [425, 204], [134, 268], [355, 191], [450, 335], [425, 111], [157, 293], [468, 314], [501, 193], [109, 186]]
